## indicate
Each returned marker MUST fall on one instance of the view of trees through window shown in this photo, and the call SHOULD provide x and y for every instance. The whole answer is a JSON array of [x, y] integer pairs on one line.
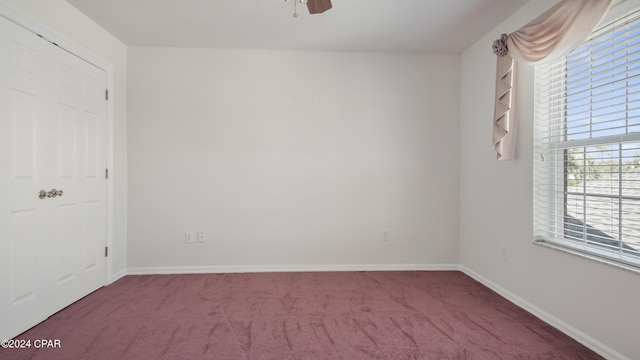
[[599, 162]]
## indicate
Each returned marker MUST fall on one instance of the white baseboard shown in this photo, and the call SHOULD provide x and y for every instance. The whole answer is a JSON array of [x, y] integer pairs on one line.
[[569, 330], [287, 268], [117, 276]]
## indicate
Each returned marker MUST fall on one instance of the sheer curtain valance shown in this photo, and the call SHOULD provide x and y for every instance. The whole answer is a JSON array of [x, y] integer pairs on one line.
[[553, 34]]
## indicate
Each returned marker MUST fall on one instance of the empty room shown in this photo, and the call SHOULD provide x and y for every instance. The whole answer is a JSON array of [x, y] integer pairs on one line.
[[320, 179]]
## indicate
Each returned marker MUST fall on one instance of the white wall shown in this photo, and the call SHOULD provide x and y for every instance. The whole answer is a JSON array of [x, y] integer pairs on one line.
[[64, 19], [291, 158], [599, 303]]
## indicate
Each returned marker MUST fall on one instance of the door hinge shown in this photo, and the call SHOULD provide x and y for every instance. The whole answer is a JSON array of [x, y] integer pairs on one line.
[[106, 173], [106, 94], [106, 251]]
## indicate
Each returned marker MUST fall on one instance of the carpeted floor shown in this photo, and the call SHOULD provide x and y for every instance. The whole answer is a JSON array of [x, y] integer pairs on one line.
[[342, 315]]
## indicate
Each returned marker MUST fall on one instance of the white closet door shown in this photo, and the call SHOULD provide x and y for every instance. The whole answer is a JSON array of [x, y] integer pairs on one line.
[[52, 136]]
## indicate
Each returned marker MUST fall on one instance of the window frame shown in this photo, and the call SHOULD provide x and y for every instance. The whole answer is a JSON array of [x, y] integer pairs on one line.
[[558, 147]]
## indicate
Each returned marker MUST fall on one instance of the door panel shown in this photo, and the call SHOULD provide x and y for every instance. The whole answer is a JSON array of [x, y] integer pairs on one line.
[[93, 228], [23, 249], [23, 129], [66, 132], [24, 59], [52, 136], [66, 241], [22, 166], [79, 148], [91, 151]]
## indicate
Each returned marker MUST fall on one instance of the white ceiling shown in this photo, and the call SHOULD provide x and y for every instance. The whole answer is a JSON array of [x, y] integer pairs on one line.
[[442, 26]]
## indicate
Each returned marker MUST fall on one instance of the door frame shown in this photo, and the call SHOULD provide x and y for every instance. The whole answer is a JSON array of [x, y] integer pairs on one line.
[[28, 23]]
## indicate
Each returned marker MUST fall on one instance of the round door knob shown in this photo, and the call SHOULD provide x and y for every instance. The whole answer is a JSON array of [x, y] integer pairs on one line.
[[53, 193], [60, 192], [42, 194]]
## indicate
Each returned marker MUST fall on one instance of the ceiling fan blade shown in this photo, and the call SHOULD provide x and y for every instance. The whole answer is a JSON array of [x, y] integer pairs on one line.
[[318, 6]]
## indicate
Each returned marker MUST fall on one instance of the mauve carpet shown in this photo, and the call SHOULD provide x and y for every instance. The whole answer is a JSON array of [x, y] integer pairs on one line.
[[341, 315]]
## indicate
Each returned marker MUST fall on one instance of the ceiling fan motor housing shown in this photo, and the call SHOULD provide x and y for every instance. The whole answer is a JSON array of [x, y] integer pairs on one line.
[[318, 6]]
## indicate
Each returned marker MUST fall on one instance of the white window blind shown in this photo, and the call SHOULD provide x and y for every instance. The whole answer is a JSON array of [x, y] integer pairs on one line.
[[587, 146]]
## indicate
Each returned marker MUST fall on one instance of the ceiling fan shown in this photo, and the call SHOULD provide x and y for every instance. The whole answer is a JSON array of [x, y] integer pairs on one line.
[[314, 6]]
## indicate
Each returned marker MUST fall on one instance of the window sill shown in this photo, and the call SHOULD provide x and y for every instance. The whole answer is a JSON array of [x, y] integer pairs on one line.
[[602, 260]]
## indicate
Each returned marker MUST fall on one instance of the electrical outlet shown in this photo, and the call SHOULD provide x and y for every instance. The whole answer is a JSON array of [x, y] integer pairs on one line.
[[385, 235], [200, 236], [188, 237]]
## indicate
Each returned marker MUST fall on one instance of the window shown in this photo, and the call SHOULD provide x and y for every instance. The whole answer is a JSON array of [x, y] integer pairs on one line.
[[587, 146]]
